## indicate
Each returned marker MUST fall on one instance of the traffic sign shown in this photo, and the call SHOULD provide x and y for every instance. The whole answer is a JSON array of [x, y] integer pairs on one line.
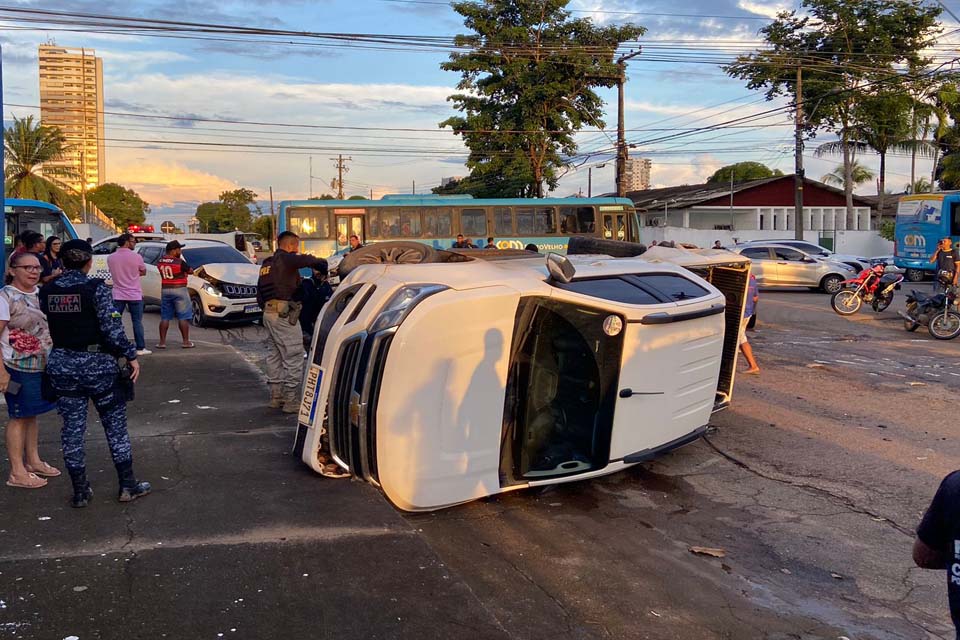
[[168, 227]]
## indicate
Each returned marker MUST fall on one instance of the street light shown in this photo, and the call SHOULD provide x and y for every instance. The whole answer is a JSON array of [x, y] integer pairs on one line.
[[590, 178]]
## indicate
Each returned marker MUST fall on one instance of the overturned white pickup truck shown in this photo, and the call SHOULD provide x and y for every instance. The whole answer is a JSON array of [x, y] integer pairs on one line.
[[473, 373]]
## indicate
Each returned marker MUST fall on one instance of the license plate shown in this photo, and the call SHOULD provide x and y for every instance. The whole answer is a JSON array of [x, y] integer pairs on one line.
[[311, 390], [252, 308]]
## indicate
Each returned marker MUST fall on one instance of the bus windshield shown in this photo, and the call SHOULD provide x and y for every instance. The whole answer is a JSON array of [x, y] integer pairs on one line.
[[47, 222]]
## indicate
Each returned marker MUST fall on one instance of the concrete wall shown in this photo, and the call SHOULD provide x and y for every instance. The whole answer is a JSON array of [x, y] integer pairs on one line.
[[94, 231], [865, 243]]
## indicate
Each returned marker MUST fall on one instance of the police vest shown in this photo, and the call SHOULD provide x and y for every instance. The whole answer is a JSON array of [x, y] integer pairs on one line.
[[72, 314], [266, 284]]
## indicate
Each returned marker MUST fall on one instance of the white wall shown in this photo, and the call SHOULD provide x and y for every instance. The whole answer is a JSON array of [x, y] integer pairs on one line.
[[866, 243], [94, 231]]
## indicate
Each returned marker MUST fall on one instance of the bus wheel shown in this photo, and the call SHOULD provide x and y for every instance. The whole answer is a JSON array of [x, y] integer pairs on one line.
[[392, 252], [915, 275], [580, 245]]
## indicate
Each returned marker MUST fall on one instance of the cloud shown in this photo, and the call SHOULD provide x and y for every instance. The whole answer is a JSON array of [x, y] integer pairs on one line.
[[128, 61], [165, 182], [765, 9]]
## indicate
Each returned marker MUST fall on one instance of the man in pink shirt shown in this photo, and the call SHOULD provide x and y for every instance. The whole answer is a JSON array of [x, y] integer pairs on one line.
[[126, 269]]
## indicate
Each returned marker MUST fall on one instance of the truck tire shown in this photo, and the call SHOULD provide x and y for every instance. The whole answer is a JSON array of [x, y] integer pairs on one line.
[[580, 245], [391, 252]]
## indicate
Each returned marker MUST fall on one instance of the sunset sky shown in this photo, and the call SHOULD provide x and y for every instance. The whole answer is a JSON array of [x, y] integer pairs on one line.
[[380, 92]]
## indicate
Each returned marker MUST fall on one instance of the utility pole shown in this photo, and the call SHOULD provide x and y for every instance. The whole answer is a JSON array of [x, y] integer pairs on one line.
[[83, 187], [414, 187], [798, 158], [337, 183], [621, 133], [590, 178], [273, 221]]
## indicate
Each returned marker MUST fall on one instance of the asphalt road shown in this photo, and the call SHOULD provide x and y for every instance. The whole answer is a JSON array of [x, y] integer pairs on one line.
[[810, 484]]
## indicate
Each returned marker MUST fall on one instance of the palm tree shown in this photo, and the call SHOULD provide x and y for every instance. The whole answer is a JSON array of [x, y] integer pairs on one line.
[[29, 147], [883, 125], [922, 185], [859, 173]]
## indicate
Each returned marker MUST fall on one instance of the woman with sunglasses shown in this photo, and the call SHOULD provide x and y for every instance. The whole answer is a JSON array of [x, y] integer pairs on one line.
[[25, 343]]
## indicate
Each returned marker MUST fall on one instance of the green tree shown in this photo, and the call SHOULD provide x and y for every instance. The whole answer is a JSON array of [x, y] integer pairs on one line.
[[883, 124], [922, 185], [526, 86], [845, 49], [29, 146], [263, 225], [858, 173], [325, 196], [888, 230], [743, 172], [123, 206], [229, 213], [357, 198]]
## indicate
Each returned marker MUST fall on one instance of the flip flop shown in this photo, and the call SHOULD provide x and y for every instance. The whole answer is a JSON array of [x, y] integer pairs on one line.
[[188, 345], [161, 346], [46, 470], [36, 483]]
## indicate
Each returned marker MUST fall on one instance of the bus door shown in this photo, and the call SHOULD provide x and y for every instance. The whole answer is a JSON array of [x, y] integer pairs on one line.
[[348, 225], [614, 226]]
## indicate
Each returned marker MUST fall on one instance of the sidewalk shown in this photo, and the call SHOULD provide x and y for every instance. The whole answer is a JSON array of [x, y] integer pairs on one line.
[[237, 540]]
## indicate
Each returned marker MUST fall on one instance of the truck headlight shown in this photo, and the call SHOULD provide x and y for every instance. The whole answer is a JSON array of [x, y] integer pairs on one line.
[[402, 303]]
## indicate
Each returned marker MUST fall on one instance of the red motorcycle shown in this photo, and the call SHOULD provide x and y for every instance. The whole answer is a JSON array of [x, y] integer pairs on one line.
[[871, 286]]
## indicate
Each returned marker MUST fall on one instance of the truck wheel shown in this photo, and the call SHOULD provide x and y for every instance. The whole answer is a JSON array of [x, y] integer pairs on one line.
[[392, 252], [580, 245], [915, 275]]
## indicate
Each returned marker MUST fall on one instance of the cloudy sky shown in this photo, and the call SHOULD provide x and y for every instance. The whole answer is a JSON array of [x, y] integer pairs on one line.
[[392, 100]]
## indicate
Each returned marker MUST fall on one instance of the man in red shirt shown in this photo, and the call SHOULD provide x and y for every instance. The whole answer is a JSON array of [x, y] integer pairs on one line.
[[174, 295]]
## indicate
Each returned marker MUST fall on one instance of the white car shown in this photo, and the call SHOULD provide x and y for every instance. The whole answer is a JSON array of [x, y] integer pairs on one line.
[[223, 286], [490, 371]]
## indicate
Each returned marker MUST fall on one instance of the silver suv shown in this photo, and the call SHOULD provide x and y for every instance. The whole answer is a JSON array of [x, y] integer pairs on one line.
[[777, 265]]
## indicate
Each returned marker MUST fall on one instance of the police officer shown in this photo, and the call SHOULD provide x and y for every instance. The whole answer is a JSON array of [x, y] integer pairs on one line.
[[88, 338], [279, 279]]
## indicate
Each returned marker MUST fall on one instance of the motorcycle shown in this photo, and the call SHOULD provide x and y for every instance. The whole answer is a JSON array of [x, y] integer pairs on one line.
[[872, 286], [920, 308], [945, 323]]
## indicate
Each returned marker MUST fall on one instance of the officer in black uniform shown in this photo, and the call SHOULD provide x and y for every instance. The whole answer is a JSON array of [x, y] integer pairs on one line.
[[88, 338], [278, 282]]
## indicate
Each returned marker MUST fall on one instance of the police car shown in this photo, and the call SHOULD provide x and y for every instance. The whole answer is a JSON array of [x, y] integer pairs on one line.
[[480, 372]]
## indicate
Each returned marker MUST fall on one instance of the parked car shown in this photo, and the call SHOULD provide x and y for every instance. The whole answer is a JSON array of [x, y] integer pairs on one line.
[[484, 372], [777, 265], [857, 262], [223, 286]]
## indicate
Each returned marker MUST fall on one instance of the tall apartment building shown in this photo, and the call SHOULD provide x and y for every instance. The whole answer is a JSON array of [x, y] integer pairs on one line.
[[71, 98], [637, 172]]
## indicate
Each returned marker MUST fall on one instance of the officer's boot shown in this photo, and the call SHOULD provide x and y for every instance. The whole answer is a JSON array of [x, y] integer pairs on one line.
[[82, 493], [130, 488], [291, 400], [276, 396]]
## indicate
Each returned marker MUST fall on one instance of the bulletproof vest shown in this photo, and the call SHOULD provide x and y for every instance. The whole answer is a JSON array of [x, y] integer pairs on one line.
[[266, 284], [72, 314]]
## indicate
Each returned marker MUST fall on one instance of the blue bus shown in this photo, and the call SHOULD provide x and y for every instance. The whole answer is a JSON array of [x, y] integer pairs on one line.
[[46, 219], [922, 219], [325, 226]]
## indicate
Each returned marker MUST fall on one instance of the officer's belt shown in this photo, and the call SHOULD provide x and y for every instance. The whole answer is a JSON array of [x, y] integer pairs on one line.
[[90, 348]]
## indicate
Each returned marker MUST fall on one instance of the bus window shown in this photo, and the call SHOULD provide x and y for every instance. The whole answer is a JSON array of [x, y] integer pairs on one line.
[[437, 223], [473, 222], [502, 221], [955, 219], [310, 222], [410, 224], [544, 221], [524, 221], [389, 223], [577, 220]]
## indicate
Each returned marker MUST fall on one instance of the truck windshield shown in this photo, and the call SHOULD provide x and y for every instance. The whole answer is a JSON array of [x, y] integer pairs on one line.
[[561, 392]]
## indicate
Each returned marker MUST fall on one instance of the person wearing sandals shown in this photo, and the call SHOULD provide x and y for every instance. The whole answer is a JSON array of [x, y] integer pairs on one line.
[[88, 338], [25, 342]]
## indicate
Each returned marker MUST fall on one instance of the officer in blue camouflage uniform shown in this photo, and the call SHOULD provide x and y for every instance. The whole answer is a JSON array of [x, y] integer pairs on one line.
[[88, 338]]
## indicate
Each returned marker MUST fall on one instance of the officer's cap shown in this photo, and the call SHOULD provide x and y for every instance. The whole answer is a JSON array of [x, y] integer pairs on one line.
[[76, 245]]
